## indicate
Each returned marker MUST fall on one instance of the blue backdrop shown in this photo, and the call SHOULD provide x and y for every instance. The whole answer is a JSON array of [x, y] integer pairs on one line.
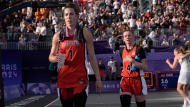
[[12, 67]]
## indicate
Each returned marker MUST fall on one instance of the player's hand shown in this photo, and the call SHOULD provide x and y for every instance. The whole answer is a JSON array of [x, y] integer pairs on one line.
[[99, 86], [167, 61]]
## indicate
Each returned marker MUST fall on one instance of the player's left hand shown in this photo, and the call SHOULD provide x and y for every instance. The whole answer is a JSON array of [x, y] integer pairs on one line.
[[99, 86]]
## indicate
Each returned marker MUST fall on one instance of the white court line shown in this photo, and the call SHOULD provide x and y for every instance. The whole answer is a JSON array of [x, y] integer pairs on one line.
[[51, 102]]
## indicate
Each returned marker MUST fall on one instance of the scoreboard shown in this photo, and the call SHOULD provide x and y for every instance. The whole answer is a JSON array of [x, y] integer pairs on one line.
[[148, 78], [166, 80]]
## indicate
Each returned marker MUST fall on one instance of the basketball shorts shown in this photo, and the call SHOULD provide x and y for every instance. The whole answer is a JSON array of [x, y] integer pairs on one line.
[[184, 78], [134, 85], [68, 93]]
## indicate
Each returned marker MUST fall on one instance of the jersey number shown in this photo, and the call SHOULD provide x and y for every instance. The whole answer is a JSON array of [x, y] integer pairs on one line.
[[128, 67], [71, 54]]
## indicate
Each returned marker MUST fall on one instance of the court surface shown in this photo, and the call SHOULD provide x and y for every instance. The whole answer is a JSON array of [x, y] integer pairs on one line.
[[154, 99]]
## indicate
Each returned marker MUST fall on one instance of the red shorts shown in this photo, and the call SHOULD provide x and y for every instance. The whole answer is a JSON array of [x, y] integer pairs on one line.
[[68, 93], [132, 85]]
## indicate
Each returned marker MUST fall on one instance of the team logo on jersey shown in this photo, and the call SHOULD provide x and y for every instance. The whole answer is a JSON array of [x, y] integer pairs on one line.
[[77, 43], [70, 43], [133, 53]]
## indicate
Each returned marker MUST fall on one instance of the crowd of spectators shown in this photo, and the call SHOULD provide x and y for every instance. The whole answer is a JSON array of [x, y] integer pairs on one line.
[[106, 19], [30, 23], [159, 22]]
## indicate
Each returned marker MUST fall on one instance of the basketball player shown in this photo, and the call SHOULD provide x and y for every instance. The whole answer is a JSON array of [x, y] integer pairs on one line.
[[184, 77], [132, 81], [73, 77]]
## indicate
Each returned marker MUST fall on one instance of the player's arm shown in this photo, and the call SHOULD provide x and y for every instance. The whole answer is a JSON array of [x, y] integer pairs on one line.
[[143, 63], [174, 64], [90, 48], [54, 48]]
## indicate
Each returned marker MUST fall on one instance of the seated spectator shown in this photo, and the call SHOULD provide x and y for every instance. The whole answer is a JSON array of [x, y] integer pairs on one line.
[[164, 43], [102, 69], [112, 68]]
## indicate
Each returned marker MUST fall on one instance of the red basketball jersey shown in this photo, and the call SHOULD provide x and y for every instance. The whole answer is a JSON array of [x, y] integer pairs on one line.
[[127, 65], [74, 72]]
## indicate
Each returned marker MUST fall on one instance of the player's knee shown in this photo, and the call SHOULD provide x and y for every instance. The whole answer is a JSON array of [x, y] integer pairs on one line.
[[141, 104], [80, 99], [125, 100]]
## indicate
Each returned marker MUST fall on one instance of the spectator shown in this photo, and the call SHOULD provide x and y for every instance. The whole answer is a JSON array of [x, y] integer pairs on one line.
[[43, 32], [112, 41], [175, 40], [22, 42], [57, 27], [102, 69], [38, 30], [38, 15], [132, 23], [54, 21], [140, 41], [112, 67], [116, 5], [164, 43]]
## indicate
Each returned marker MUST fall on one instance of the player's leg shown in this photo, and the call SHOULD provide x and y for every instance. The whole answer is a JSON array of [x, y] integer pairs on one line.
[[140, 101], [66, 97], [182, 85], [125, 93], [140, 91], [186, 89], [80, 96]]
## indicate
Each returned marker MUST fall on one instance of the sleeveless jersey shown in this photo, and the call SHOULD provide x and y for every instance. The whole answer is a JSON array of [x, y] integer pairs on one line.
[[127, 65], [74, 72], [185, 64]]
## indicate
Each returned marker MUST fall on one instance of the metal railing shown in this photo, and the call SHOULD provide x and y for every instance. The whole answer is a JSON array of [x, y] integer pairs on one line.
[[26, 46], [35, 45], [15, 36]]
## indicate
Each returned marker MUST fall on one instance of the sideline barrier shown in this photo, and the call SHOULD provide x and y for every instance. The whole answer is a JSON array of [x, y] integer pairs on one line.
[[114, 86], [167, 80]]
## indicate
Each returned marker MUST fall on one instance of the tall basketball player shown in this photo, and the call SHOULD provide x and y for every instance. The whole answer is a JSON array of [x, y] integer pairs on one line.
[[73, 77]]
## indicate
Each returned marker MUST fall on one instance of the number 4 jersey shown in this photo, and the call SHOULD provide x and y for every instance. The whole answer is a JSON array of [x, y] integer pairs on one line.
[[74, 72], [127, 66]]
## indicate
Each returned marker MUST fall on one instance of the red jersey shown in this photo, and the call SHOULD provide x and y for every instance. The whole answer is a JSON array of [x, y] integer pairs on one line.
[[136, 50], [74, 72]]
